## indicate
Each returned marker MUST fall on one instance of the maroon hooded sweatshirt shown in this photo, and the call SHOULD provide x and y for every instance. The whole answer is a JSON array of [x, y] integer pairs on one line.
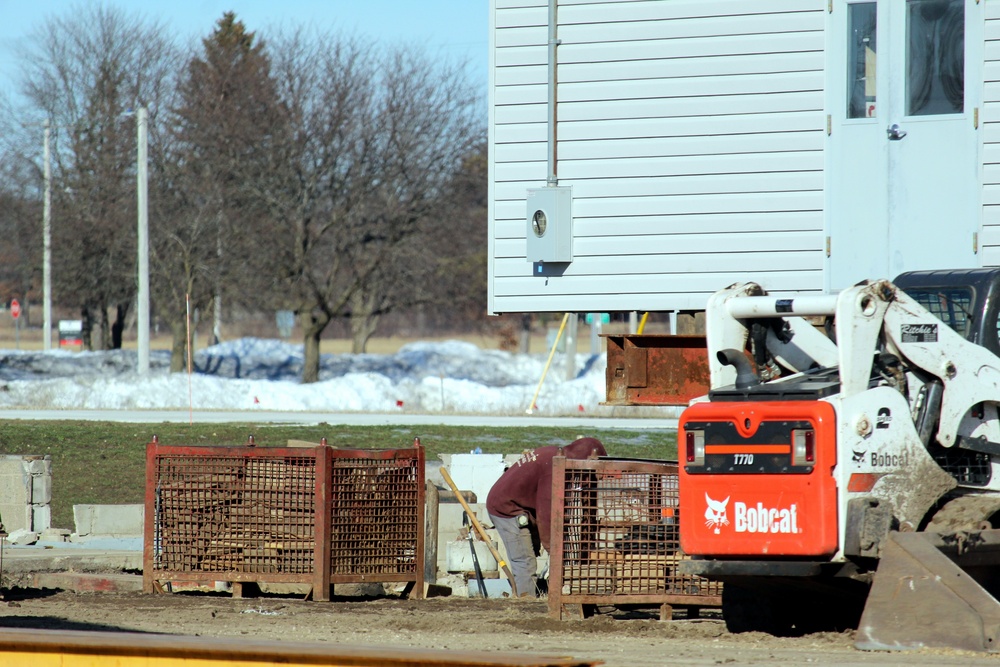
[[526, 487]]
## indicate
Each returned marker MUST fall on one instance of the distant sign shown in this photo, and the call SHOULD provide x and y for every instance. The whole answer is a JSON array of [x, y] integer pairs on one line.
[[285, 319], [15, 309], [70, 333]]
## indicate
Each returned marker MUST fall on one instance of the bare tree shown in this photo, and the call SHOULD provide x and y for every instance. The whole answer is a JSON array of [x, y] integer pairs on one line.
[[320, 170], [85, 71], [458, 284], [427, 126], [226, 111], [370, 144], [20, 229]]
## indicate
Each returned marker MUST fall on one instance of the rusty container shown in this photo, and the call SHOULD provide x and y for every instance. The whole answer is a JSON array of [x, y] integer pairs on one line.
[[307, 515], [615, 538], [655, 369]]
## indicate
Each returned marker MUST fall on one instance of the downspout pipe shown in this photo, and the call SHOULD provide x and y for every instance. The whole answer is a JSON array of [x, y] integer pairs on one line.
[[553, 179]]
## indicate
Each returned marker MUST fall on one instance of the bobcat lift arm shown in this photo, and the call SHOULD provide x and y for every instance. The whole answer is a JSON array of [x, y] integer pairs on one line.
[[900, 489]]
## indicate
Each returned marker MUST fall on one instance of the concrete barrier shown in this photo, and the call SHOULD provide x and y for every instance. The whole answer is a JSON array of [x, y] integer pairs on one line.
[[108, 520], [25, 492]]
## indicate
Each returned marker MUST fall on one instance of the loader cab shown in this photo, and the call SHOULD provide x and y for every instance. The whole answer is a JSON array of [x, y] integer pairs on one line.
[[967, 300]]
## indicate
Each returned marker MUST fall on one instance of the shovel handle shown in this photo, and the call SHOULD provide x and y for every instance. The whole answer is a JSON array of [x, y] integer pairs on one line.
[[481, 531]]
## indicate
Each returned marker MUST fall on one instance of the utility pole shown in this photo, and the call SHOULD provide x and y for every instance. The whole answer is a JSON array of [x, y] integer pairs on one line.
[[142, 190], [47, 246]]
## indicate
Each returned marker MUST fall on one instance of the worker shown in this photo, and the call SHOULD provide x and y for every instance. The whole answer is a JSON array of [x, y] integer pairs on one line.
[[520, 506]]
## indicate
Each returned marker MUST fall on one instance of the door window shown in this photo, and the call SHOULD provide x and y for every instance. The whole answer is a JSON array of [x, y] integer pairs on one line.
[[935, 57], [861, 60]]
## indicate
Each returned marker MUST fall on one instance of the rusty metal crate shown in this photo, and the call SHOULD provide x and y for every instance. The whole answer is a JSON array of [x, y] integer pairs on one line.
[[615, 538], [310, 515], [377, 516]]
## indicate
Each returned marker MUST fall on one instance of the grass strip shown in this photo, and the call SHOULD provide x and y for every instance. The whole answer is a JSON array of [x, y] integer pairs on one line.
[[104, 462]]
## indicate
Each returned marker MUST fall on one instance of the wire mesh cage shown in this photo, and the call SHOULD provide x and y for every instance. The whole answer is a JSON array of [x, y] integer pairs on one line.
[[377, 515], [615, 537], [314, 515]]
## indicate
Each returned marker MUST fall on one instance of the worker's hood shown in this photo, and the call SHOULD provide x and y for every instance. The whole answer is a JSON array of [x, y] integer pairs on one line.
[[584, 448]]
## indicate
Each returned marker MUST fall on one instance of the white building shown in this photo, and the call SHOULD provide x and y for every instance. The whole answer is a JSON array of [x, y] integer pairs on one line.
[[703, 142]]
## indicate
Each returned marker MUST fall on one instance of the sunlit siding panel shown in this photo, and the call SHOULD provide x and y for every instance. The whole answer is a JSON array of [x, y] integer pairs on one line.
[[990, 238], [692, 134]]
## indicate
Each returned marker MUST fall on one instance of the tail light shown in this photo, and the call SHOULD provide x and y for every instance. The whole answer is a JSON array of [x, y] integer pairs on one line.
[[803, 447], [694, 448]]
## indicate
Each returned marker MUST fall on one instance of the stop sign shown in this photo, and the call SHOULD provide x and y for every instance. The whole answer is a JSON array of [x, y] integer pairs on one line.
[[15, 309]]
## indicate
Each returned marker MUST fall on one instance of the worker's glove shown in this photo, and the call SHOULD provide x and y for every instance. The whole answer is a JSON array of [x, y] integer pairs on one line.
[[522, 520]]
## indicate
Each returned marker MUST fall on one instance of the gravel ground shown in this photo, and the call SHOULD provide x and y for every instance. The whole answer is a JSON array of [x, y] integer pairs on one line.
[[617, 638]]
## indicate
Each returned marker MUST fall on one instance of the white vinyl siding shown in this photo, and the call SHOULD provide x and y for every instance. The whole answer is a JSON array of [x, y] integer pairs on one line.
[[692, 134], [989, 241]]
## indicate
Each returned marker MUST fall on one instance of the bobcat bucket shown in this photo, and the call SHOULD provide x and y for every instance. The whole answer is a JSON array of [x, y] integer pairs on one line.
[[934, 590]]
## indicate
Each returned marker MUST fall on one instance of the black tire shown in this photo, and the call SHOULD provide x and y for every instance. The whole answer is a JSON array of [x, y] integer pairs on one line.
[[747, 611]]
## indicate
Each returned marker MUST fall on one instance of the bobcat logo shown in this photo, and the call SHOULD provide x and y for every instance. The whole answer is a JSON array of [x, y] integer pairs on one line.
[[715, 513], [858, 457]]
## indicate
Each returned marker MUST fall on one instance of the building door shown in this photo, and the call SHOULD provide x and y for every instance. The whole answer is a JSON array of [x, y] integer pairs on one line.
[[903, 167]]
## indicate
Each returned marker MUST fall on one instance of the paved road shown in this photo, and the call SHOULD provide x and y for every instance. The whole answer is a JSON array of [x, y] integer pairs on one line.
[[347, 419]]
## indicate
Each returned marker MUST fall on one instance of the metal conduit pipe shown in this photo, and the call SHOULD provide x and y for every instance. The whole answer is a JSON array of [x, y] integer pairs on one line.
[[552, 179]]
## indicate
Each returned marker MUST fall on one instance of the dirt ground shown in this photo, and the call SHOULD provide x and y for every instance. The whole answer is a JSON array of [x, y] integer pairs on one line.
[[614, 637]]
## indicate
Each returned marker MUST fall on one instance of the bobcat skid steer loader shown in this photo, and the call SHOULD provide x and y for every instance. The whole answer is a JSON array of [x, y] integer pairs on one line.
[[844, 468]]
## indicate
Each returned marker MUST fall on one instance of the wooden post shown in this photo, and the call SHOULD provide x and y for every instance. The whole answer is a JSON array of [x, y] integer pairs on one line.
[[431, 534]]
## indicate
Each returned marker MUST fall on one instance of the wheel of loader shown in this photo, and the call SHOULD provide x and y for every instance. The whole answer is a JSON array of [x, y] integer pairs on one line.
[[745, 610], [834, 609]]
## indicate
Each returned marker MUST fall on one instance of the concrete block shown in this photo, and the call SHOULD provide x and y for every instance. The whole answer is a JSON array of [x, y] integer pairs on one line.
[[476, 472], [13, 487], [41, 517], [22, 536], [25, 486], [459, 557], [495, 588], [450, 527], [53, 535], [112, 520], [15, 516], [38, 466], [41, 490]]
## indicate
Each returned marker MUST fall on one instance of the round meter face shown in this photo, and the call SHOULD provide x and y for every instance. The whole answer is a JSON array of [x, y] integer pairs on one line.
[[539, 223]]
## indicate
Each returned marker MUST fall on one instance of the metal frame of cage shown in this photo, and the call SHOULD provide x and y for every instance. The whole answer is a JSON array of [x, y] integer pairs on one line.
[[307, 515], [615, 538]]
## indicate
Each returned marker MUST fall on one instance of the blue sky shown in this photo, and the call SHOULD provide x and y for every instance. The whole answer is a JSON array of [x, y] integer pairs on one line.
[[456, 28]]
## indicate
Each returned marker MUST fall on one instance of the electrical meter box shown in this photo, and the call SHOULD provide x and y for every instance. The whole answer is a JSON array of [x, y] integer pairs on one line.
[[550, 224]]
